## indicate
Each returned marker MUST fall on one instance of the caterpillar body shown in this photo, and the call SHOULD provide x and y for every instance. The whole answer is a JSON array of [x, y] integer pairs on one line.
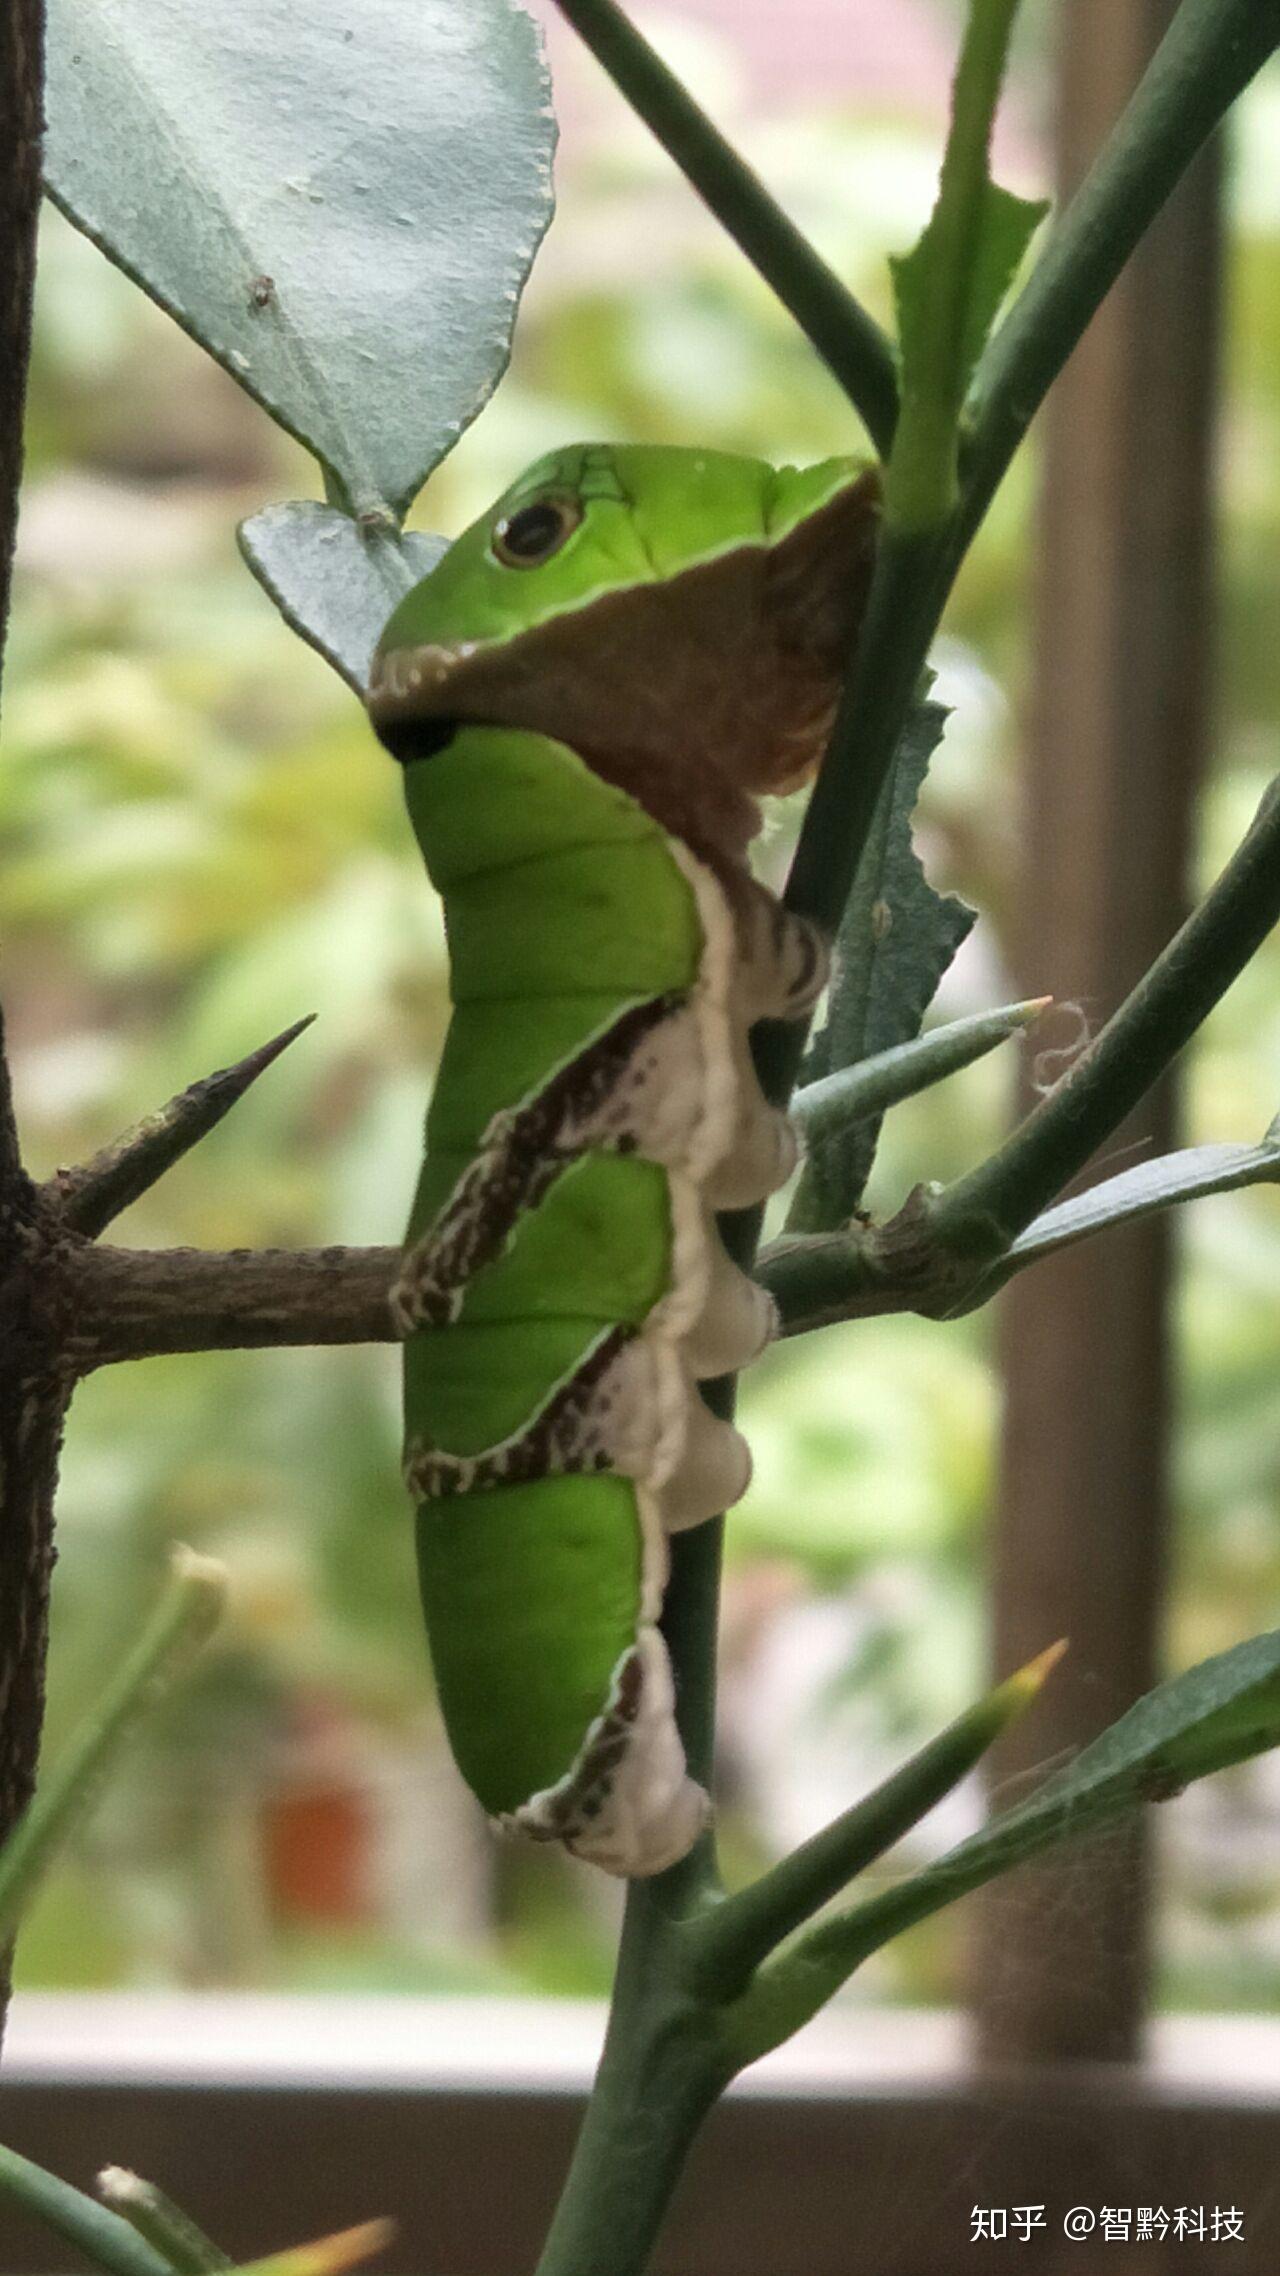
[[585, 697]]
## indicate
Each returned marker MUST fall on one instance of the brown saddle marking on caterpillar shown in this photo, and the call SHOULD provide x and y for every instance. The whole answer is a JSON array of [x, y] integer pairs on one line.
[[522, 1153], [568, 1436]]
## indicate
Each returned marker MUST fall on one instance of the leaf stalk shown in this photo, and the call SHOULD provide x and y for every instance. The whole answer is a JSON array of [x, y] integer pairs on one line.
[[847, 338]]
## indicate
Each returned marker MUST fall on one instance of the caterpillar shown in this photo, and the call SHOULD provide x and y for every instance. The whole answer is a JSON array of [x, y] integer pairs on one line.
[[587, 695]]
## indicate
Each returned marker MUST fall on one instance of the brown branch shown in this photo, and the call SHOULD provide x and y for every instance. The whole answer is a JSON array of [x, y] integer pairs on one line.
[[21, 122], [136, 1303], [10, 1150], [96, 1193], [141, 1303], [34, 1389], [32, 1395]]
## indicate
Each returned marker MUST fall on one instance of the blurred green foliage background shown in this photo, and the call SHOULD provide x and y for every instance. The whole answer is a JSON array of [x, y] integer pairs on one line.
[[199, 841]]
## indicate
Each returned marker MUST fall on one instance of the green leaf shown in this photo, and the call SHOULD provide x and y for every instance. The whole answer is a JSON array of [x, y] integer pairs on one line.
[[116, 2246], [948, 289], [327, 2255], [730, 1941], [826, 1108], [161, 2223], [333, 580], [1189, 1175], [103, 2238], [895, 941], [1220, 1713], [186, 1616], [1006, 225], [340, 203]]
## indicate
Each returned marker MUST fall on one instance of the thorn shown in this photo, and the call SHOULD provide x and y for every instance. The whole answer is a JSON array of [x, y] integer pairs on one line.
[[10, 1150], [326, 2255], [1026, 1014], [96, 1192], [1023, 1685]]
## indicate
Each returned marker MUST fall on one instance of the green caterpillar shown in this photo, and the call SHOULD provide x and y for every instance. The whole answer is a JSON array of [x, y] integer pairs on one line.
[[586, 694]]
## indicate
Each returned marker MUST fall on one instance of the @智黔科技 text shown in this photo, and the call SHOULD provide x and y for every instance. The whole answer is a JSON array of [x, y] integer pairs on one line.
[[1109, 2224]]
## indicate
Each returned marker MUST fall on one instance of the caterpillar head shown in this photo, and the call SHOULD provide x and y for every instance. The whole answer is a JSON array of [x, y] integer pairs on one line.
[[681, 618]]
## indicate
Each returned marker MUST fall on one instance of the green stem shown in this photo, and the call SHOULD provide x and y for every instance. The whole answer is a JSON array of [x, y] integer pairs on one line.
[[101, 2236], [1211, 52], [188, 1612], [981, 1214], [160, 2222], [663, 2067], [868, 1271], [908, 589], [819, 1279], [912, 578], [919, 551], [690, 1622], [921, 491], [641, 2121], [847, 338], [336, 492]]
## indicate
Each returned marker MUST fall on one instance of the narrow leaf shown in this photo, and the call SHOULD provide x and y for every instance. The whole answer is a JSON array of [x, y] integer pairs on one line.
[[334, 580], [1219, 1713], [826, 1108], [733, 1939], [163, 2224], [896, 939], [101, 2236], [948, 289], [186, 1616], [983, 1212], [114, 2245], [326, 2255], [340, 203], [1190, 1175], [1006, 225]]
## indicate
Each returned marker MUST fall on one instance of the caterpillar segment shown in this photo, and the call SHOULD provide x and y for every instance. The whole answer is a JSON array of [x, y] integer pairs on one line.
[[564, 1289], [658, 1117]]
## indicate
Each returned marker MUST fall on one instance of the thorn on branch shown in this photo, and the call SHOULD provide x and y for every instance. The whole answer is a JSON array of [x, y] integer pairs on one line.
[[10, 1151], [94, 1194]]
